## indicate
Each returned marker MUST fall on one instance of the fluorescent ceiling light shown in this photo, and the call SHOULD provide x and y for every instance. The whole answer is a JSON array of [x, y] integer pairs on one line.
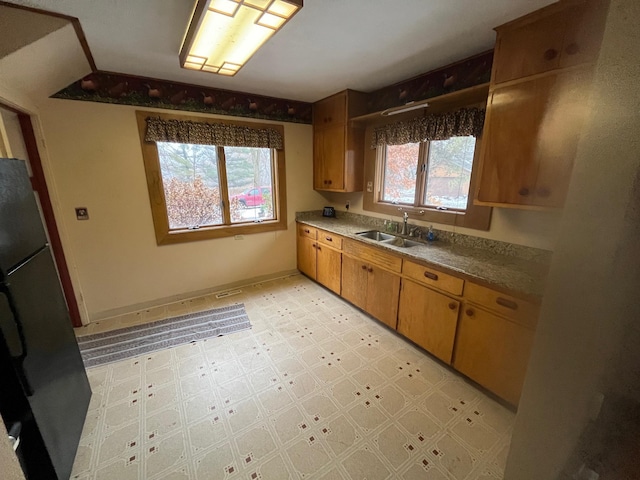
[[404, 108], [224, 34]]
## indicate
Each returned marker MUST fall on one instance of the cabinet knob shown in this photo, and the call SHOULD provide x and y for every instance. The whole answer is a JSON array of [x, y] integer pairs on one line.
[[306, 230], [370, 270], [543, 192], [328, 239], [550, 54], [314, 245], [523, 191], [318, 247], [329, 182], [452, 306], [572, 48], [469, 312], [364, 267]]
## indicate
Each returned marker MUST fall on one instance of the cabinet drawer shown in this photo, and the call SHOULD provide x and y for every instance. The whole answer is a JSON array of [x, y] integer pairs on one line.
[[307, 231], [429, 276], [521, 311], [373, 255], [330, 239]]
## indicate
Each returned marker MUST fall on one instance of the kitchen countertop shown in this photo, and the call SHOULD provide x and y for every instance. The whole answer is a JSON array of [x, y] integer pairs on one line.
[[523, 278]]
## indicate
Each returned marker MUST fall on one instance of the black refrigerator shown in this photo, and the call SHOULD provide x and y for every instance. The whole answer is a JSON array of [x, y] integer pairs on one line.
[[44, 390]]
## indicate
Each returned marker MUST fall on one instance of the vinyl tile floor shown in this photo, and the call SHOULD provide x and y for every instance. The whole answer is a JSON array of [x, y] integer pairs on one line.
[[316, 390]]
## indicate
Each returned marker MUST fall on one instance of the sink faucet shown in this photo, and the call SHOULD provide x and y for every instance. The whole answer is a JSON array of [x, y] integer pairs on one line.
[[405, 228]]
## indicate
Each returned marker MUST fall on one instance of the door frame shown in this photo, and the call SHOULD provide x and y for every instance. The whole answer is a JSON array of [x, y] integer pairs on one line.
[[39, 185]]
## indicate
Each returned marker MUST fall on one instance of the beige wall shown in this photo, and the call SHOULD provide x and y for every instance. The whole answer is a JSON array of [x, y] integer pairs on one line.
[[588, 334], [530, 228], [95, 161]]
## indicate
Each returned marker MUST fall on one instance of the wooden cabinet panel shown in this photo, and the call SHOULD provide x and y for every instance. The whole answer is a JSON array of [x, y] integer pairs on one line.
[[383, 289], [330, 239], [338, 146], [510, 142], [307, 231], [328, 267], [530, 140], [307, 256], [493, 351], [354, 281], [428, 318], [432, 277], [373, 255], [532, 47], [333, 157], [584, 33], [514, 308], [331, 110]]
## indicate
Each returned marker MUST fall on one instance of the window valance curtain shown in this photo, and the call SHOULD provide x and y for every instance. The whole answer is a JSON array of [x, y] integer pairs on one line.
[[219, 134], [459, 123]]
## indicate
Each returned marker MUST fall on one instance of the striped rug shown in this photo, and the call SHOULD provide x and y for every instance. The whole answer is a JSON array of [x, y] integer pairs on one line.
[[129, 342]]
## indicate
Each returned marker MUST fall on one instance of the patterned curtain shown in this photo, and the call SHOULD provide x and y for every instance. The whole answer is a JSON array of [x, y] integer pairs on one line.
[[219, 134], [463, 122]]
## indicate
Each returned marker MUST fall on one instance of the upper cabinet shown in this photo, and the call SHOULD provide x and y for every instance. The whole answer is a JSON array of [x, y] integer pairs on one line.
[[537, 104], [338, 144]]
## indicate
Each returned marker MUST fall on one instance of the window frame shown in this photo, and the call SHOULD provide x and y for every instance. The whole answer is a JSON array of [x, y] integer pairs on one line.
[[475, 216], [166, 236]]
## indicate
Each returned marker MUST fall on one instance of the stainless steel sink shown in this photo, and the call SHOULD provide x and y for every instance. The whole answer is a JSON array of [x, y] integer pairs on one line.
[[376, 235], [401, 242]]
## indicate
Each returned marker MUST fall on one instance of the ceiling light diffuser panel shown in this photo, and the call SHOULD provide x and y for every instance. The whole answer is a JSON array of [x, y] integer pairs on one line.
[[224, 34]]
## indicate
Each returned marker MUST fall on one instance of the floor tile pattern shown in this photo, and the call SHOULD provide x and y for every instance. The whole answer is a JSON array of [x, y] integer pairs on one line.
[[315, 390]]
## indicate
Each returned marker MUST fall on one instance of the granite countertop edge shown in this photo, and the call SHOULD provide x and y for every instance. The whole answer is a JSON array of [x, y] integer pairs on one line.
[[511, 275]]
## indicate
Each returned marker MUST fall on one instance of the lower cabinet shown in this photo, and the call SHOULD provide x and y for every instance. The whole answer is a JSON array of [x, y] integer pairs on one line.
[[428, 318], [371, 288], [494, 349], [319, 256]]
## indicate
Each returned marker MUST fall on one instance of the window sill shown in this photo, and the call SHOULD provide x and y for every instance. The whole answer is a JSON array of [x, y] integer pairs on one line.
[[206, 233]]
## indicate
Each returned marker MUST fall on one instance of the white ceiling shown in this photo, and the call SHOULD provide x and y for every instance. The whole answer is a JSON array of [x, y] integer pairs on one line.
[[330, 45]]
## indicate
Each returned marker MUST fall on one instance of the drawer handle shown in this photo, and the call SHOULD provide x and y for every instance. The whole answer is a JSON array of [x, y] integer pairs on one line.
[[469, 312], [430, 275], [306, 230], [328, 239], [452, 306], [550, 54], [507, 303]]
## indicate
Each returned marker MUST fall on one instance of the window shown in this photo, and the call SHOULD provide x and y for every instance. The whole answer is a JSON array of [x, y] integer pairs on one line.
[[200, 191], [432, 174], [426, 165]]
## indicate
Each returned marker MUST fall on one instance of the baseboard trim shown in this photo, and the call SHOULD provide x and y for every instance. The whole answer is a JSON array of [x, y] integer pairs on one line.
[[186, 296]]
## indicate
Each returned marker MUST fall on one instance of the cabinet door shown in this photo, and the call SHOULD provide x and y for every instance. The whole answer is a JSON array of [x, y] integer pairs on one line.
[[319, 182], [584, 33], [383, 290], [558, 136], [510, 142], [493, 351], [328, 268], [330, 111], [333, 157], [532, 47], [307, 256], [428, 318], [354, 281]]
